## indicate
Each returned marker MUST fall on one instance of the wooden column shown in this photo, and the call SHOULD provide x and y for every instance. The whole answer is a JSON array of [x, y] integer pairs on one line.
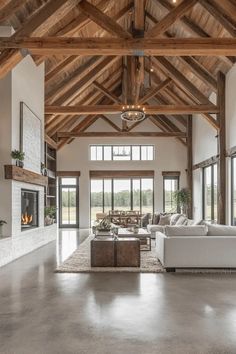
[[190, 165], [221, 171]]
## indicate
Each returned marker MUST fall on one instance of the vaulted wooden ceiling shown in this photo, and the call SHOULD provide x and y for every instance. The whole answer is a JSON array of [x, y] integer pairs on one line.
[[101, 54]]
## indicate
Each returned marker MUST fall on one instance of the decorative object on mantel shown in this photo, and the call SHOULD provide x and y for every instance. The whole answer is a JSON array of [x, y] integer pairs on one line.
[[182, 198], [50, 215], [22, 175], [133, 113], [2, 222], [43, 169], [19, 157]]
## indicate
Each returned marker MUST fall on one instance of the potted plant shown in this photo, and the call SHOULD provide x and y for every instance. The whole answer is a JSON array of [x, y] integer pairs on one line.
[[2, 222], [19, 157], [182, 198], [50, 215]]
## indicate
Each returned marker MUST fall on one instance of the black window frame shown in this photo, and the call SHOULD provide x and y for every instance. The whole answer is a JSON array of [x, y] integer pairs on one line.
[[124, 145], [166, 177], [233, 158], [213, 216], [76, 186], [131, 192]]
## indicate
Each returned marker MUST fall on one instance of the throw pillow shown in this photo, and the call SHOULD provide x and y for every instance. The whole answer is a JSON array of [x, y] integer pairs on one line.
[[182, 220], [221, 230], [156, 218], [145, 219], [200, 230], [164, 219], [174, 218], [198, 222]]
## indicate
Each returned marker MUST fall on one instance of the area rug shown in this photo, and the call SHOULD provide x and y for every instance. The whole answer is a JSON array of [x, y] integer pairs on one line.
[[79, 262]]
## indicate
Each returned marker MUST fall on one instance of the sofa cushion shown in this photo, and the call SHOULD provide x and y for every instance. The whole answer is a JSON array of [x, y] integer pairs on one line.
[[182, 230], [155, 228], [182, 220], [165, 219], [156, 218], [221, 230], [145, 219], [174, 218]]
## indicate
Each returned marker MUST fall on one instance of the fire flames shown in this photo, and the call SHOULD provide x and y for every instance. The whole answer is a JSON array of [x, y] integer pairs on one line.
[[26, 219]]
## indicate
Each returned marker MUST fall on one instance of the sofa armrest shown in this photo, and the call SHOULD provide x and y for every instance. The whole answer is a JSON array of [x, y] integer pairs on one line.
[[160, 246]]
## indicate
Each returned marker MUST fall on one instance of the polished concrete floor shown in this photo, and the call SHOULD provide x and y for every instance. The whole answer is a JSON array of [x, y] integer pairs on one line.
[[42, 312]]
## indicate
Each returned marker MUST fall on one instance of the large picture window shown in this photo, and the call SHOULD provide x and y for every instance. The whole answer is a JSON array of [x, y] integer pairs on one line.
[[170, 186], [233, 190], [210, 193], [121, 152], [121, 194]]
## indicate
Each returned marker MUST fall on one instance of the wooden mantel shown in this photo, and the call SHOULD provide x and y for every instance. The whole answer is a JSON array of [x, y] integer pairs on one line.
[[21, 175]]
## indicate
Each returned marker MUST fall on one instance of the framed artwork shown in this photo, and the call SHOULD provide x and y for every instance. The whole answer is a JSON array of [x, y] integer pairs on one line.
[[30, 138]]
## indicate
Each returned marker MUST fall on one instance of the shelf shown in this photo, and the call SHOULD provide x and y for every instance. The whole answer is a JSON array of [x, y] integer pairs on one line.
[[20, 174], [50, 157]]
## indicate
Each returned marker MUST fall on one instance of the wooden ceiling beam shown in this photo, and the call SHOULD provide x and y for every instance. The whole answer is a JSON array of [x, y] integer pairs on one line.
[[80, 21], [116, 46], [103, 20], [176, 75], [227, 7], [213, 10], [199, 70], [175, 14], [192, 27], [8, 9], [38, 20], [81, 72], [73, 119], [119, 134], [86, 81], [63, 122], [59, 67], [106, 92], [155, 90], [193, 64], [116, 109]]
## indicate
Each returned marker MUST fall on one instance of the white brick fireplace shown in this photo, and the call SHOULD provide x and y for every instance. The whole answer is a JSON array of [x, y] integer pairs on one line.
[[24, 84]]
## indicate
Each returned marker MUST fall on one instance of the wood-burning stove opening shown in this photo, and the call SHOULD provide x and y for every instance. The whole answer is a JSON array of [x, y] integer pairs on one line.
[[29, 209]]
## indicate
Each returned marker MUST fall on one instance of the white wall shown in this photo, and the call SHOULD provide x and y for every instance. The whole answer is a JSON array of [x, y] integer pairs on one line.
[[170, 156], [205, 143]]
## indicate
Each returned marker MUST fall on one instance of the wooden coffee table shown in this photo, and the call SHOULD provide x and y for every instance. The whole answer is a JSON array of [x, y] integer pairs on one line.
[[110, 252], [143, 235]]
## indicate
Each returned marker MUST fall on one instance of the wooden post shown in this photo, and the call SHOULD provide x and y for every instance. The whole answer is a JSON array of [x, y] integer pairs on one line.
[[190, 165], [221, 171]]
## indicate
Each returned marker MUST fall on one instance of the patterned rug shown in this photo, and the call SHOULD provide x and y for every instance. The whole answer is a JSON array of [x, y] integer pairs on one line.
[[79, 262]]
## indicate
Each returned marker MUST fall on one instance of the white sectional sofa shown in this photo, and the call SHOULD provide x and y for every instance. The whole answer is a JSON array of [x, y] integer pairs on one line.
[[212, 246]]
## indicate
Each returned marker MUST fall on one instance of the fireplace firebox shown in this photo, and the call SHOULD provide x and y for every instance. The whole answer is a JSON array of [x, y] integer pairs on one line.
[[29, 209]]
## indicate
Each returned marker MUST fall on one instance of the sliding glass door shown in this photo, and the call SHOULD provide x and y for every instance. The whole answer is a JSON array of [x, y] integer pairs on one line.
[[121, 194], [69, 202]]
